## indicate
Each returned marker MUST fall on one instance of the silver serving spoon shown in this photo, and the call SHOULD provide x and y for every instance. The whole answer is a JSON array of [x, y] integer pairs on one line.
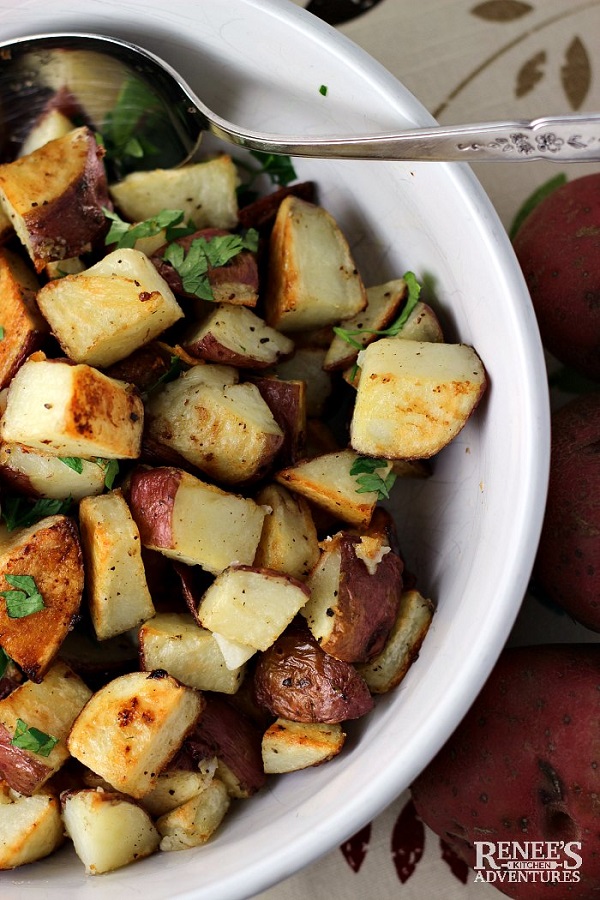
[[130, 96]]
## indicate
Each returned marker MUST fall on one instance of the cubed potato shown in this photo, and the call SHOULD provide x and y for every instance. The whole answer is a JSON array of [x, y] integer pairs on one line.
[[296, 679], [51, 125], [251, 606], [72, 410], [108, 830], [176, 643], [235, 739], [50, 707], [236, 336], [414, 397], [55, 195], [116, 587], [131, 728], [30, 828], [103, 314], [175, 787], [194, 823], [6, 227], [387, 669], [289, 746], [227, 432], [312, 278], [384, 302], [288, 542], [205, 191], [50, 553], [306, 365], [354, 595], [326, 481], [287, 402], [23, 328], [194, 522], [37, 474]]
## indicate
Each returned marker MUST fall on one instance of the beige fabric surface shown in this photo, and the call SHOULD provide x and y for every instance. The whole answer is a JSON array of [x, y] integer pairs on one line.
[[466, 61]]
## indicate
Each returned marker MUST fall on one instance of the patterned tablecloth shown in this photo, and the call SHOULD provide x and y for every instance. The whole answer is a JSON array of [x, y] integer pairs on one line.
[[466, 61]]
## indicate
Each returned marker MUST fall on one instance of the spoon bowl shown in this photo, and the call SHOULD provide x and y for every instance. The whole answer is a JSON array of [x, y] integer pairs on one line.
[[124, 90]]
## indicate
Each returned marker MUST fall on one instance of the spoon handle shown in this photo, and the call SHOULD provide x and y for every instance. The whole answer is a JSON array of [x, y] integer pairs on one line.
[[562, 139]]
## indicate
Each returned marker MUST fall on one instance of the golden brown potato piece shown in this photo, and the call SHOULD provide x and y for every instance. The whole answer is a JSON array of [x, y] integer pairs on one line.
[[131, 728], [226, 430], [49, 554], [23, 328], [117, 592], [205, 191], [37, 474], [288, 542], [194, 522], [176, 643], [414, 397], [175, 787], [289, 746], [251, 606], [354, 594], [326, 481], [30, 827], [54, 197], [72, 410], [295, 679], [50, 707], [386, 670], [312, 278], [236, 336], [194, 823], [104, 313], [108, 830]]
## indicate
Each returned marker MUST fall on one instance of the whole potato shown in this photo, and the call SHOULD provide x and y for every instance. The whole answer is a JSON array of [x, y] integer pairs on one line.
[[568, 558], [558, 248], [524, 767]]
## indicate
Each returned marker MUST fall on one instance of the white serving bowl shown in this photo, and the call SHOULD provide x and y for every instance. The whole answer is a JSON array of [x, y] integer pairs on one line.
[[469, 532]]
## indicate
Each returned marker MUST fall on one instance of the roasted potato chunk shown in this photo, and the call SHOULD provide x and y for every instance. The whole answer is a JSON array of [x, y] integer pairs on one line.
[[50, 707], [49, 555], [236, 336], [194, 522], [194, 823], [312, 279], [295, 679], [30, 827], [414, 397], [23, 328], [130, 729], [72, 410], [288, 542], [108, 830], [288, 746], [55, 195], [37, 474]]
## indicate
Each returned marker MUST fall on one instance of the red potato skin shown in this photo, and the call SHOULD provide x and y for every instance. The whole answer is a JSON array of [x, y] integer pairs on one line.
[[297, 680], [151, 496], [567, 565], [524, 765], [22, 771], [558, 248]]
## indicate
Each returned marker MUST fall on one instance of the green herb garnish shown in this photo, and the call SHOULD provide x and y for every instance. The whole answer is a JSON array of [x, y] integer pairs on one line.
[[323, 90], [370, 480], [534, 199], [1, 332], [73, 462], [25, 599], [121, 133], [350, 335], [124, 234], [111, 470], [203, 254], [18, 512], [26, 737]]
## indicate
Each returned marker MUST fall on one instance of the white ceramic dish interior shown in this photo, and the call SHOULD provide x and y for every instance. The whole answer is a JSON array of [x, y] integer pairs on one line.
[[469, 531]]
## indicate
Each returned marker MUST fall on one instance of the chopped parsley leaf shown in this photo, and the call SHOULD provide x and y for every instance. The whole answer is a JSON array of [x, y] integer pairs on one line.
[[73, 462], [125, 234], [111, 470], [203, 254], [18, 512], [25, 599], [26, 737], [368, 478], [323, 90]]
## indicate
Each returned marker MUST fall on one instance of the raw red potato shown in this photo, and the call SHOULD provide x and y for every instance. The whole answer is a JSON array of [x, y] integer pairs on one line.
[[568, 558], [558, 248], [523, 767]]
